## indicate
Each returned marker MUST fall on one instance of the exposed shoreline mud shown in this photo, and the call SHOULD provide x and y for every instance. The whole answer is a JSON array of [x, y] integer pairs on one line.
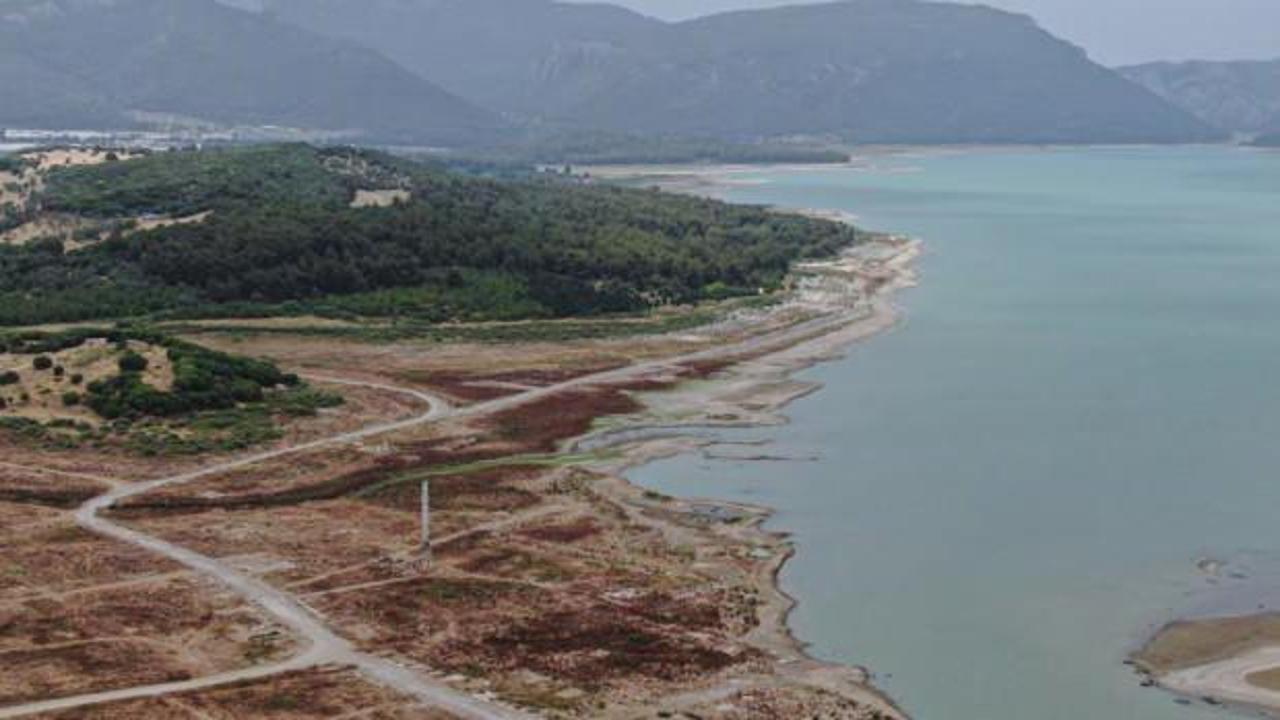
[[749, 394]]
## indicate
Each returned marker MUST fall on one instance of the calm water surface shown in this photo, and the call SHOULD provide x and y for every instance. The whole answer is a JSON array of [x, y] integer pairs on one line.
[[1018, 482]]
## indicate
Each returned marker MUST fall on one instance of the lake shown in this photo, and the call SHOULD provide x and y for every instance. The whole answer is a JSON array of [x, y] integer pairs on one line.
[[1015, 485]]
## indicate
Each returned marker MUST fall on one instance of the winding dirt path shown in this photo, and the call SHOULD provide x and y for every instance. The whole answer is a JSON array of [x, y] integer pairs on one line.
[[323, 646]]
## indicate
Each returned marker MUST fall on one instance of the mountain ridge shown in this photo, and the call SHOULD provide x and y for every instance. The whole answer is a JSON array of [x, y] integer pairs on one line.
[[107, 61], [1236, 96], [878, 71]]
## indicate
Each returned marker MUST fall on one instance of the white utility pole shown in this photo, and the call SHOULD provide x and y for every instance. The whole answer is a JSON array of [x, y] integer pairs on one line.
[[426, 521]]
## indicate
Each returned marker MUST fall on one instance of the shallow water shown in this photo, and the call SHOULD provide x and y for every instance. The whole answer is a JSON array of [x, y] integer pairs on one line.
[[1017, 483]]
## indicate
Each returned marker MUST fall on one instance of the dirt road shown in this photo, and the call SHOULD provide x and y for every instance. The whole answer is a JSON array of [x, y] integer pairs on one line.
[[323, 646]]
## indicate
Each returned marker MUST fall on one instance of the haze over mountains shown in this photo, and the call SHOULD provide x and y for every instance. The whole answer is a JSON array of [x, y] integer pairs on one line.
[[876, 71], [98, 63], [1239, 97], [866, 70]]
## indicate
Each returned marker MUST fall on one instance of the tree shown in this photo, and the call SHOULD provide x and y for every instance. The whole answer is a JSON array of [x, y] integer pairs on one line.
[[132, 362], [42, 362]]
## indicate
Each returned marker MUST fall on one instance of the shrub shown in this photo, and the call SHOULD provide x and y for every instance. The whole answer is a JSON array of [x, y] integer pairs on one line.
[[42, 362], [59, 371], [77, 378], [132, 362], [9, 378], [71, 398]]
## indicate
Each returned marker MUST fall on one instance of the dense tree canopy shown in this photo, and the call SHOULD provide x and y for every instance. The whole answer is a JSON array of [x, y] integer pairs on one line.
[[282, 229]]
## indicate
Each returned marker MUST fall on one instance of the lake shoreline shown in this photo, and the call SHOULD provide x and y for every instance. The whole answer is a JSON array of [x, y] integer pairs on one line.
[[1083, 319], [753, 393], [1215, 661]]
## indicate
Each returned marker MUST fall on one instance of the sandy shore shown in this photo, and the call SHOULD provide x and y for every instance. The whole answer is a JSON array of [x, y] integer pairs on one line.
[[753, 392], [705, 180], [1217, 661], [714, 181], [1239, 681]]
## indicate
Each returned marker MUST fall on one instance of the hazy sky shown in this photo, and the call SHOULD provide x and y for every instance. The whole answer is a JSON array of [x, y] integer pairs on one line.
[[1114, 31]]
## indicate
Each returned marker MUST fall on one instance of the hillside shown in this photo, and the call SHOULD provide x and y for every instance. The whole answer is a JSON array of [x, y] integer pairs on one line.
[[1233, 96], [290, 229], [98, 63], [866, 70]]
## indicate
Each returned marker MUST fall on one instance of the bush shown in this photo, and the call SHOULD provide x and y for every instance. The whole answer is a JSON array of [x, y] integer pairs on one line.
[[42, 362], [132, 362], [59, 371], [71, 399], [9, 378], [77, 378]]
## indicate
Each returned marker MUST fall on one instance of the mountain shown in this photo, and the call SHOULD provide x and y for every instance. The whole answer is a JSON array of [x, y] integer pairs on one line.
[[1233, 96], [1268, 140], [867, 70], [501, 54], [99, 63]]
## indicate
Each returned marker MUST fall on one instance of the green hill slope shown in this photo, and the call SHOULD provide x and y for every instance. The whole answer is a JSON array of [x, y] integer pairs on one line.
[[290, 227]]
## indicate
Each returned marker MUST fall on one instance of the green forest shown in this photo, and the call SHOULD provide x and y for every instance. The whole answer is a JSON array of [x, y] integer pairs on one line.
[[283, 234]]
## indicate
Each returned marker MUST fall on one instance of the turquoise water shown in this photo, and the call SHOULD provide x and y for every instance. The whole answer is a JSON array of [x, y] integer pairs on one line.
[[1016, 483]]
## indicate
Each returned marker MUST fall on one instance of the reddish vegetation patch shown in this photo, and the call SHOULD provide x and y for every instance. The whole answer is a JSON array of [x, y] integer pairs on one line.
[[154, 609], [699, 369], [554, 376], [406, 613], [541, 425], [516, 563], [182, 500], [375, 571], [44, 489], [134, 633], [695, 613], [478, 386], [297, 543], [483, 490], [463, 544], [535, 427], [463, 386], [322, 693], [651, 384], [596, 645], [572, 532], [790, 702], [63, 557], [15, 519], [44, 673]]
